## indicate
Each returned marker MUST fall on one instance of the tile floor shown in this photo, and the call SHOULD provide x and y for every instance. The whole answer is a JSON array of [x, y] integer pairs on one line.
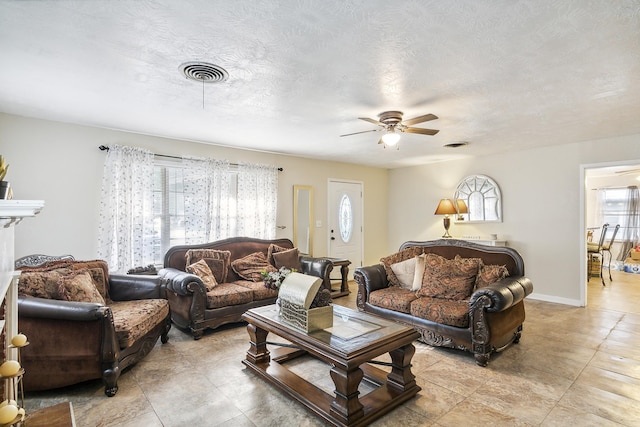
[[573, 366]]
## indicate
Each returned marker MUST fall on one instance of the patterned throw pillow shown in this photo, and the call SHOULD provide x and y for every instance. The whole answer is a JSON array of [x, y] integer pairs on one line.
[[289, 258], [251, 266], [405, 272], [402, 255], [41, 284], [202, 270], [490, 274], [448, 279], [218, 261], [80, 287]]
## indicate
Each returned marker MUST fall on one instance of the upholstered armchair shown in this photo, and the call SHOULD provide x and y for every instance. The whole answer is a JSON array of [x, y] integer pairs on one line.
[[83, 323]]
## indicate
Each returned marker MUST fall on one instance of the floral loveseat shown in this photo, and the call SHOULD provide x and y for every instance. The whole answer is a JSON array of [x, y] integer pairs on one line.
[[83, 323], [211, 284], [455, 293]]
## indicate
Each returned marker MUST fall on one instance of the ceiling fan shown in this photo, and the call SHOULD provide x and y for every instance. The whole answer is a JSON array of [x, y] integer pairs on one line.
[[391, 123]]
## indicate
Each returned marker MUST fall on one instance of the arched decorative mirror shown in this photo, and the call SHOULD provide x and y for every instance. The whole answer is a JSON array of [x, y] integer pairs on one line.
[[483, 199], [303, 218]]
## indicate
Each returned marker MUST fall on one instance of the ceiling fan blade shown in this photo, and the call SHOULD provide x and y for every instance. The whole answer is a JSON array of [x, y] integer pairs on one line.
[[421, 131], [364, 131], [420, 119], [375, 122]]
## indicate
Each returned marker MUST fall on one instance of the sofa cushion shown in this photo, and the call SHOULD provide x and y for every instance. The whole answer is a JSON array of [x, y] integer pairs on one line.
[[41, 284], [260, 291], [133, 319], [490, 274], [448, 279], [203, 271], [272, 250], [397, 257], [218, 261], [79, 287], [226, 294], [405, 272], [419, 272], [250, 267], [289, 259], [393, 298], [445, 311]]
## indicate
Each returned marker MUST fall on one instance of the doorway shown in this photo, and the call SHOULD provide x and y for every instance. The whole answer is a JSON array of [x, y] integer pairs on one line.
[[610, 175], [346, 221]]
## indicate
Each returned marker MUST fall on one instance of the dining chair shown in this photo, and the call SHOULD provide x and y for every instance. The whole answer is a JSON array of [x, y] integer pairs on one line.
[[606, 247], [595, 249]]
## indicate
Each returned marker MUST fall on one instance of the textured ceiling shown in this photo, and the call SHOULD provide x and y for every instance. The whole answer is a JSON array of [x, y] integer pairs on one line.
[[503, 75]]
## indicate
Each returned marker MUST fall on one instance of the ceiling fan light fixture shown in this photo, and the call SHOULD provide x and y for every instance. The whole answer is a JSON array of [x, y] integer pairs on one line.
[[391, 138]]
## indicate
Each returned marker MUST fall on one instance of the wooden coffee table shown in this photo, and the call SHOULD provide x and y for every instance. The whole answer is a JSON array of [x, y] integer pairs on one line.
[[348, 347]]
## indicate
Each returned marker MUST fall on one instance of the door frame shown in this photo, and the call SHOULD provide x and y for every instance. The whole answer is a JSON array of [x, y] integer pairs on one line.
[[348, 181], [584, 284]]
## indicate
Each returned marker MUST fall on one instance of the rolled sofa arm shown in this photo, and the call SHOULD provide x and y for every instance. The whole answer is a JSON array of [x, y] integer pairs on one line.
[[504, 293], [370, 278], [128, 287], [180, 282], [62, 310], [318, 267]]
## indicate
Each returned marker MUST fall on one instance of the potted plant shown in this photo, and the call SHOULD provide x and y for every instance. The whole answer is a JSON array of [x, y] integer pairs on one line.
[[5, 189]]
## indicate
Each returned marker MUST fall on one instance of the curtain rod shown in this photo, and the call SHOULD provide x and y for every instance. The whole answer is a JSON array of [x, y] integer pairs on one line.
[[106, 148], [614, 188]]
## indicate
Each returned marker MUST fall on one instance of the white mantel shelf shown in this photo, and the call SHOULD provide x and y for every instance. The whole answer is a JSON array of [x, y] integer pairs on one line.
[[15, 210]]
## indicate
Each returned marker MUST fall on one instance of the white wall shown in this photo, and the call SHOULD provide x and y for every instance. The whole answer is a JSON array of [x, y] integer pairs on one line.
[[541, 192], [61, 164]]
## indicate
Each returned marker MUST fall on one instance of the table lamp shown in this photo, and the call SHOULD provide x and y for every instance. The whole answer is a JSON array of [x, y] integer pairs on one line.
[[462, 209], [446, 208]]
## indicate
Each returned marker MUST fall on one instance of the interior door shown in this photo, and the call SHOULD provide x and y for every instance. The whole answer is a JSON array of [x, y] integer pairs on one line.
[[345, 222]]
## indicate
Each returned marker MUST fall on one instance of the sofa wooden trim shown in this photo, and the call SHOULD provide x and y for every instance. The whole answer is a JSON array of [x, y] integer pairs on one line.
[[187, 294], [496, 312]]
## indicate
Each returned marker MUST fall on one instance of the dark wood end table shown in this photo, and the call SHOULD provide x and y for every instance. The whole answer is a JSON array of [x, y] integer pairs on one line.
[[343, 263], [349, 346]]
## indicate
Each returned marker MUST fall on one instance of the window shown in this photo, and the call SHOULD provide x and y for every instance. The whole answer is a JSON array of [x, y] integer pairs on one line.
[[345, 218], [169, 217], [613, 207]]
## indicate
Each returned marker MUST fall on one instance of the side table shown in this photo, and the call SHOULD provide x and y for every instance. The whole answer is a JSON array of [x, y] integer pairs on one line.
[[343, 263]]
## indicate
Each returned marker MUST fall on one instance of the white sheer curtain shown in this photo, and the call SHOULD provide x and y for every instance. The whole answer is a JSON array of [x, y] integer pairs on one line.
[[631, 225], [208, 209], [125, 232], [257, 200]]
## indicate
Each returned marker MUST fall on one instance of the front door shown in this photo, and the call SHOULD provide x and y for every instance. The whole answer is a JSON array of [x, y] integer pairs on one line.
[[345, 222]]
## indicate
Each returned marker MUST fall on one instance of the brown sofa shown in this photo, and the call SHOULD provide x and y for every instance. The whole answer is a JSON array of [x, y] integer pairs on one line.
[[83, 323], [489, 319], [194, 308]]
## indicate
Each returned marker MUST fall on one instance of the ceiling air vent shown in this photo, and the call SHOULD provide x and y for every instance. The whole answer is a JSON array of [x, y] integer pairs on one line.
[[204, 72]]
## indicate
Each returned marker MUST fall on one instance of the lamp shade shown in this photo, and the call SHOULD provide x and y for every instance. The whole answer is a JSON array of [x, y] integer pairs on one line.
[[462, 206], [391, 138], [445, 207]]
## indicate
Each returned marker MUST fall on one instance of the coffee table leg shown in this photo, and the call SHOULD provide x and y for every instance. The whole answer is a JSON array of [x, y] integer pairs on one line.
[[257, 352], [400, 377], [346, 406]]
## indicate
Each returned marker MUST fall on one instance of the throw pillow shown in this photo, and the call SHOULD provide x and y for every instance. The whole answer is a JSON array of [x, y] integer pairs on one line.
[[250, 267], [289, 259], [45, 284], [273, 249], [405, 271], [218, 261], [419, 272], [402, 255], [490, 274], [202, 270], [448, 279], [79, 287]]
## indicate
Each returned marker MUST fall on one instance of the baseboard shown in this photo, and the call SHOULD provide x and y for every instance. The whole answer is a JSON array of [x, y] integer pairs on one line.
[[554, 299]]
